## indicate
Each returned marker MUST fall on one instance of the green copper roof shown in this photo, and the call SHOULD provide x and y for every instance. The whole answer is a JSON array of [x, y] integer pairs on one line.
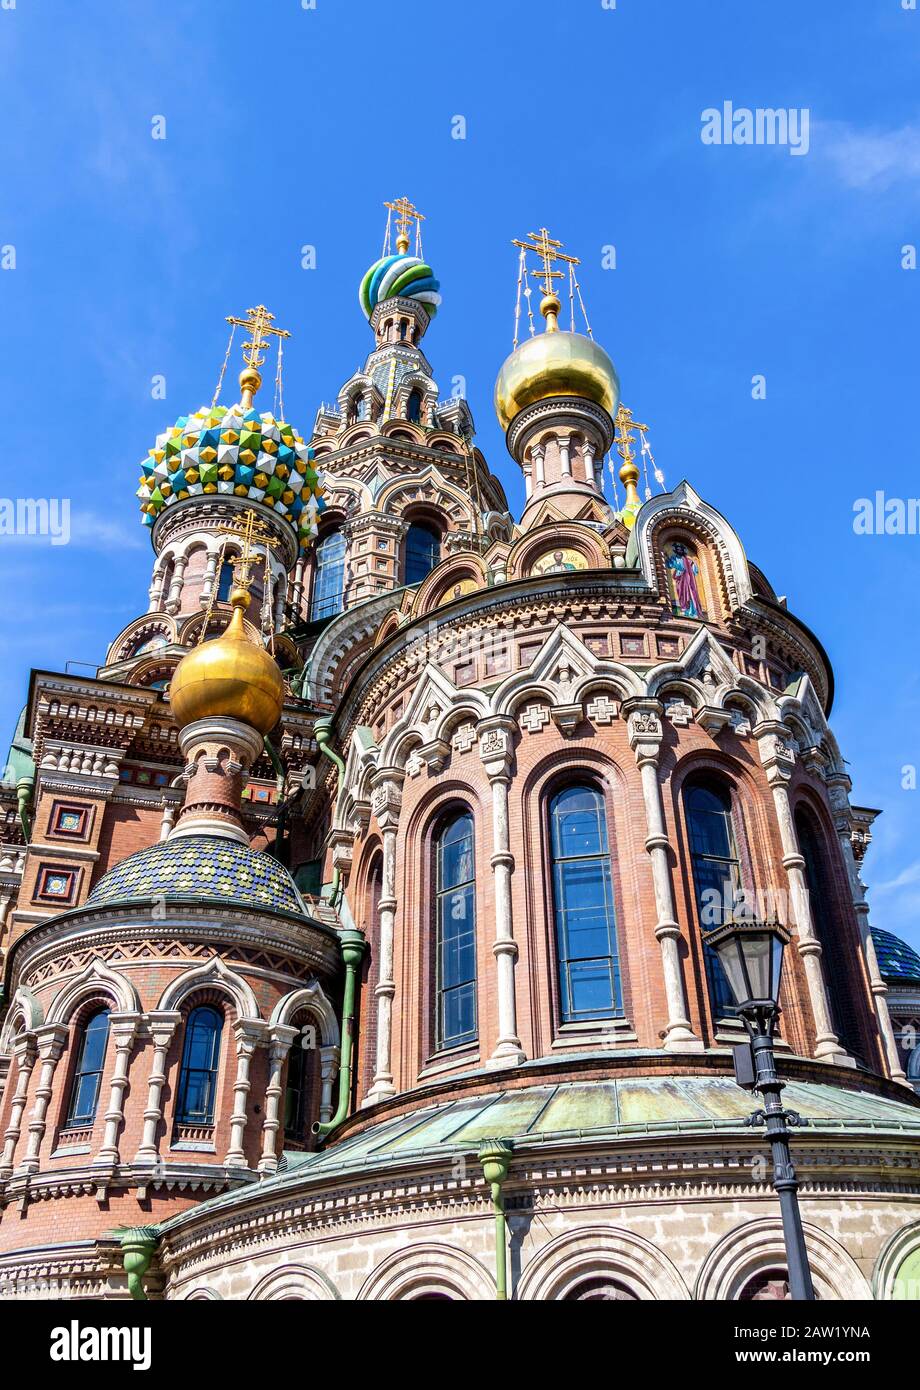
[[898, 962]]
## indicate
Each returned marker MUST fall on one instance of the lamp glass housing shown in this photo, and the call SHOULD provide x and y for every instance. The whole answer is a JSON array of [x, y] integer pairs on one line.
[[751, 954]]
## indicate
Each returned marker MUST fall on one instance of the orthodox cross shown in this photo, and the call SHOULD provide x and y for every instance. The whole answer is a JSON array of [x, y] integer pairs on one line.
[[407, 214], [549, 251], [250, 530], [625, 425], [257, 323]]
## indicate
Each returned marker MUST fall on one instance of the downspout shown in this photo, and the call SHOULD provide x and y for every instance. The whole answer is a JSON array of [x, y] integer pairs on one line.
[[24, 788], [277, 764], [353, 945], [137, 1246], [495, 1157]]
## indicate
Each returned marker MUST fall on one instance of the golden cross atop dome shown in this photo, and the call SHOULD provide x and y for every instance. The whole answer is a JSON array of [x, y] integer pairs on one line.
[[549, 250], [625, 424], [407, 216], [257, 323], [250, 529]]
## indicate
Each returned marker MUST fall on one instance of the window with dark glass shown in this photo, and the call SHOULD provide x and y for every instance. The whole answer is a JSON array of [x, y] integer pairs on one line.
[[198, 1074], [225, 582], [716, 876], [329, 577], [455, 965], [87, 1079], [423, 551], [827, 927], [586, 943], [414, 407], [297, 1091]]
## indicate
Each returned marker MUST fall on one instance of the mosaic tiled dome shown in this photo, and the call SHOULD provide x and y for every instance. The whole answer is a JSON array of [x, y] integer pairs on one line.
[[206, 867], [898, 962], [237, 452], [401, 276]]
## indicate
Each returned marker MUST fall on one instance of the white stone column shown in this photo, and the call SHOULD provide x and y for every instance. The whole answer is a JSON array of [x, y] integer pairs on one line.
[[329, 1058], [646, 733], [496, 749], [174, 597], [565, 462], [24, 1052], [155, 592], [163, 1024], [50, 1040], [588, 456], [538, 454], [297, 588], [528, 479], [282, 1036], [386, 803], [210, 574], [122, 1029], [838, 790], [778, 761], [249, 1034]]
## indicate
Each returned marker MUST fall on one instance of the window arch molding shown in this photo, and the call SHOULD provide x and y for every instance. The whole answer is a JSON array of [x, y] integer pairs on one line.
[[96, 981], [555, 773]]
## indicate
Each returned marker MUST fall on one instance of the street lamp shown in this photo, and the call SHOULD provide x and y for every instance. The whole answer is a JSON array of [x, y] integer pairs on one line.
[[751, 954]]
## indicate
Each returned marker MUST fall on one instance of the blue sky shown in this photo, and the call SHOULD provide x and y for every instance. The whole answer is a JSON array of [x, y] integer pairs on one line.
[[288, 127]]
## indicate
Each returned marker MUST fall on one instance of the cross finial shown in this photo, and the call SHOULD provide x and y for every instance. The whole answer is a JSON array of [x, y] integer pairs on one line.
[[549, 250], [251, 530], [407, 216], [629, 473], [258, 322]]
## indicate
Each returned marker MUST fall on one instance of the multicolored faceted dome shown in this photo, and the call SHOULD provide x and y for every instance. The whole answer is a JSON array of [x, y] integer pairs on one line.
[[239, 452], [898, 962], [204, 867], [402, 276]]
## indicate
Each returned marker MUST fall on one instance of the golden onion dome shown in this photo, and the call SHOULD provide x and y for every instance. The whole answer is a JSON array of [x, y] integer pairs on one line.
[[231, 677], [555, 363]]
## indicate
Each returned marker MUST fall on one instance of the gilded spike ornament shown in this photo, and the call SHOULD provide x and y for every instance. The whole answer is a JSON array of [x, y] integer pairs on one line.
[[258, 323]]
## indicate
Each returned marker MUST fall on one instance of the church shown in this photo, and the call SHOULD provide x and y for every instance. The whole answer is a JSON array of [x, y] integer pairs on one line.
[[354, 913]]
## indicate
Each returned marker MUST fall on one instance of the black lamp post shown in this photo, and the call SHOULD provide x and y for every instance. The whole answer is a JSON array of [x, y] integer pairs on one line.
[[751, 954]]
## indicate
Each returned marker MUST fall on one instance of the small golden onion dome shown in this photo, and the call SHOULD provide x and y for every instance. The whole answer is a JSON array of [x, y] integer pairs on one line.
[[555, 364], [231, 677]]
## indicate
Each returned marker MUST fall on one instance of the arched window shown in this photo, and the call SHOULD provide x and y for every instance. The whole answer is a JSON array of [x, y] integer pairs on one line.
[[586, 941], [716, 875], [297, 1092], [455, 930], [423, 551], [225, 582], [328, 577], [198, 1075], [414, 407], [828, 929], [87, 1078]]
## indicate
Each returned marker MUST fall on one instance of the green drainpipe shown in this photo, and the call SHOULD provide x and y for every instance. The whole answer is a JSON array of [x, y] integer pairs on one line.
[[353, 944], [323, 731], [24, 788], [276, 763], [495, 1156], [137, 1244]]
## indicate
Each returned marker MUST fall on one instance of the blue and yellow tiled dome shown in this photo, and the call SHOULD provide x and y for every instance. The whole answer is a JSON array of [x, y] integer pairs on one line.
[[898, 962], [206, 868], [235, 451], [402, 276]]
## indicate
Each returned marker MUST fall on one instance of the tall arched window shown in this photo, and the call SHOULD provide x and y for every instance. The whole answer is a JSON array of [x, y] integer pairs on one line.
[[423, 551], [328, 577], [455, 931], [198, 1074], [87, 1078], [297, 1092], [828, 929], [586, 940], [716, 875], [414, 407]]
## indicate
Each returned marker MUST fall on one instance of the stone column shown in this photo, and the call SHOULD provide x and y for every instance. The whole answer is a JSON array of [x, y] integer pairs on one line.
[[496, 749], [386, 802], [122, 1028], [155, 592], [564, 442], [174, 597], [249, 1034], [588, 455], [297, 587], [645, 738], [210, 574], [50, 1040], [778, 761], [282, 1037], [538, 454], [838, 787], [163, 1024], [278, 617], [24, 1053], [528, 480], [329, 1057]]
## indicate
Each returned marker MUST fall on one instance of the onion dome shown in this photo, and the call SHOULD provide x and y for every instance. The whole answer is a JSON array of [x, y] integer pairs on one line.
[[402, 276], [898, 962], [231, 677], [555, 363], [207, 868], [234, 451]]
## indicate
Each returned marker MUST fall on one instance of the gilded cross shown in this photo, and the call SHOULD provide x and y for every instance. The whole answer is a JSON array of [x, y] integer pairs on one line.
[[625, 425], [406, 214], [549, 251], [257, 323], [250, 530]]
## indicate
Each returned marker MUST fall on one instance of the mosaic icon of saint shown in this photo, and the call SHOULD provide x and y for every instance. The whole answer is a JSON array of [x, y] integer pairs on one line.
[[684, 572]]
